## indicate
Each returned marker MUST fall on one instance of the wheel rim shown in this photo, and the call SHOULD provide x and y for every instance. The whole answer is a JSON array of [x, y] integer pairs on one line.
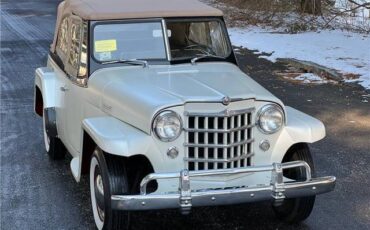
[[46, 136], [97, 193]]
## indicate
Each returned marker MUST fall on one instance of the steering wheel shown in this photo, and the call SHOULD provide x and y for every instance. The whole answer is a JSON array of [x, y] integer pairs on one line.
[[203, 48]]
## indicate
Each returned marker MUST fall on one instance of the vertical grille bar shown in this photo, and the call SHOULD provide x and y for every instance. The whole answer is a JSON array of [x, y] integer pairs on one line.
[[215, 150], [196, 139], [232, 136], [206, 142], [224, 150], [239, 148]]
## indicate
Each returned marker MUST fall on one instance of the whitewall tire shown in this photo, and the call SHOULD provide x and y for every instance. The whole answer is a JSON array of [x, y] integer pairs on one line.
[[107, 177]]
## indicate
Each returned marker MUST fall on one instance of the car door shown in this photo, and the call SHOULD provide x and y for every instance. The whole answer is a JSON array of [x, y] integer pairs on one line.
[[57, 63], [76, 68]]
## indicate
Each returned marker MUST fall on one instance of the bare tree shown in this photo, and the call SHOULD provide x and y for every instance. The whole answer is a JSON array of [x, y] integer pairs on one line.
[[311, 7]]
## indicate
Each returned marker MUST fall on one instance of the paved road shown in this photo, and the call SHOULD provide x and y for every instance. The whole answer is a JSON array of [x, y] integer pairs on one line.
[[37, 193]]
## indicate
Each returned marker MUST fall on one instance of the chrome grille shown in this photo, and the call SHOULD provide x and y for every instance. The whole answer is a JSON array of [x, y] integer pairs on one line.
[[219, 140]]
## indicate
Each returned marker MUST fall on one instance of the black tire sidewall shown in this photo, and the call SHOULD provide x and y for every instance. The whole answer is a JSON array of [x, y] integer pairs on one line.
[[113, 172], [297, 209], [99, 156]]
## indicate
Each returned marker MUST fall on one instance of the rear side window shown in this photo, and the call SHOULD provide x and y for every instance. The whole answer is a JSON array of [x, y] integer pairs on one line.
[[62, 42], [71, 48], [74, 51]]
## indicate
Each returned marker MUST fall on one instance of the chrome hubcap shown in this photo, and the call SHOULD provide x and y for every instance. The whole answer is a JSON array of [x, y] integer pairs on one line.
[[99, 196], [99, 184]]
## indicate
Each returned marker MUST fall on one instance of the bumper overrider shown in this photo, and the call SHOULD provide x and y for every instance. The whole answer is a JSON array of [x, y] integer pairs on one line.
[[185, 198]]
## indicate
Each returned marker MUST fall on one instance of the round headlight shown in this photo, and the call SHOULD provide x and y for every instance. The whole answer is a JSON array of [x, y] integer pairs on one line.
[[270, 119], [167, 126]]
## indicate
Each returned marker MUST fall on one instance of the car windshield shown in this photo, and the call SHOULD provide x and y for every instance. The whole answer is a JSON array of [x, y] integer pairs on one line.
[[127, 41], [190, 39], [119, 41]]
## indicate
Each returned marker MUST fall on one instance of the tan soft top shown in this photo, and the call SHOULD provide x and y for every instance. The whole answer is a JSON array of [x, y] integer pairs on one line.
[[132, 9], [121, 9]]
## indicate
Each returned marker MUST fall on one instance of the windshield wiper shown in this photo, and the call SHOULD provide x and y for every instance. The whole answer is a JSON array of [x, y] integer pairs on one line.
[[128, 61], [194, 60]]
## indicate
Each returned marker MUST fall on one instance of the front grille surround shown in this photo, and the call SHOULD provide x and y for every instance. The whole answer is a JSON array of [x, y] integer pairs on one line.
[[220, 140]]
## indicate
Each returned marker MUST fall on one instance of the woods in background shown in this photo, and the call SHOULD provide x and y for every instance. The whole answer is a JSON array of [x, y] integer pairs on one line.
[[311, 7], [315, 7], [301, 15]]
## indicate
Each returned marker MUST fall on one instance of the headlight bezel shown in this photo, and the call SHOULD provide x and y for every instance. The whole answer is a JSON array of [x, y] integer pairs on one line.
[[155, 122], [263, 110]]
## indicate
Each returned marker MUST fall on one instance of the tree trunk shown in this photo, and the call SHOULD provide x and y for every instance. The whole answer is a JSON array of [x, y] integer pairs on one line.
[[311, 7]]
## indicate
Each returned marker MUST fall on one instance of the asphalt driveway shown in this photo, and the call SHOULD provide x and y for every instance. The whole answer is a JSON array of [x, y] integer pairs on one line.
[[37, 193]]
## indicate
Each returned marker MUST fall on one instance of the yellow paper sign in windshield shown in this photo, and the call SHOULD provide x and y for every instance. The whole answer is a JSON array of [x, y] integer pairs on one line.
[[105, 46]]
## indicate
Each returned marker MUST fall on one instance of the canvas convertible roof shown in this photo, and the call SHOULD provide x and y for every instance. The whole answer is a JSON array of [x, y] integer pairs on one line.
[[132, 9], [121, 9]]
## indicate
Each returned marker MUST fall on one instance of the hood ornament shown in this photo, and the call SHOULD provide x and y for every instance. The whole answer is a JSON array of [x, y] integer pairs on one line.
[[226, 100]]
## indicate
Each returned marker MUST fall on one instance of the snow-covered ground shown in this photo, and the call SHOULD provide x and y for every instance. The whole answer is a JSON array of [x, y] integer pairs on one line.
[[347, 52]]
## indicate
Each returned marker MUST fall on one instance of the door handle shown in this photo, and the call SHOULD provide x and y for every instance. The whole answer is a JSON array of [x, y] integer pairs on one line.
[[64, 88]]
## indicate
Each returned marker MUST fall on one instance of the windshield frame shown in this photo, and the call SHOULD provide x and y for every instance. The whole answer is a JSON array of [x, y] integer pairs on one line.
[[201, 19], [95, 64]]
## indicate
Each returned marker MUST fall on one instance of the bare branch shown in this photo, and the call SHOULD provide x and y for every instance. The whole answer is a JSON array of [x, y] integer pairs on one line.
[[360, 5]]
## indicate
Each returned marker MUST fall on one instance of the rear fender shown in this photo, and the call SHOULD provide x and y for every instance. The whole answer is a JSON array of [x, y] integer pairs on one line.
[[45, 81]]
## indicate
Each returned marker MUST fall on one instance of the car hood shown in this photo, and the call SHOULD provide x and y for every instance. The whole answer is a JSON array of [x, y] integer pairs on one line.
[[135, 94]]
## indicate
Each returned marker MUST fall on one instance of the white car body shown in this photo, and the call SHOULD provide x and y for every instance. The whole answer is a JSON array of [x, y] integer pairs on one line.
[[117, 110], [221, 155]]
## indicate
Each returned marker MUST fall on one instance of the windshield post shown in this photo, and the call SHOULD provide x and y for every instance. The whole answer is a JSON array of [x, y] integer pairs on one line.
[[166, 39]]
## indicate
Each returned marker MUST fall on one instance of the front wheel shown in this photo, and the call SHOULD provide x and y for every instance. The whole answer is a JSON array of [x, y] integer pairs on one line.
[[297, 209], [107, 177]]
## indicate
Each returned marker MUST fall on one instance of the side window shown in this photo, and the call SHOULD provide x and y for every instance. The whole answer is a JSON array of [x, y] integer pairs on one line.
[[75, 46], [62, 42], [72, 48], [82, 72], [77, 55]]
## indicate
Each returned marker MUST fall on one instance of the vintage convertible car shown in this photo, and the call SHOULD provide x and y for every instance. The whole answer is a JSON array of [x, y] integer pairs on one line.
[[149, 101]]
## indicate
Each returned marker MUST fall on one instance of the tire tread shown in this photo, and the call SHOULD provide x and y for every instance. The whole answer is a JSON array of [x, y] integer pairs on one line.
[[118, 186], [302, 206]]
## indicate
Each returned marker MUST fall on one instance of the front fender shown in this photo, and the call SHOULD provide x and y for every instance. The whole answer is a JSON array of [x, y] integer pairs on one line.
[[116, 137], [300, 128], [304, 127]]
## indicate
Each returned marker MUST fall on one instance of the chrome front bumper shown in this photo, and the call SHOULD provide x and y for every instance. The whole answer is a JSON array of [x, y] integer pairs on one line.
[[185, 198]]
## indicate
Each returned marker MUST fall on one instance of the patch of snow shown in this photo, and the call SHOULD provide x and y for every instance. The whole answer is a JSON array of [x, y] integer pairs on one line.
[[347, 52], [310, 78]]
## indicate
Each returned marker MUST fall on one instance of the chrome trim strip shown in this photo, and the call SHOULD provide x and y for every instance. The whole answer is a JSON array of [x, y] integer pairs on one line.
[[218, 145], [225, 113], [220, 130], [166, 40], [244, 156]]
